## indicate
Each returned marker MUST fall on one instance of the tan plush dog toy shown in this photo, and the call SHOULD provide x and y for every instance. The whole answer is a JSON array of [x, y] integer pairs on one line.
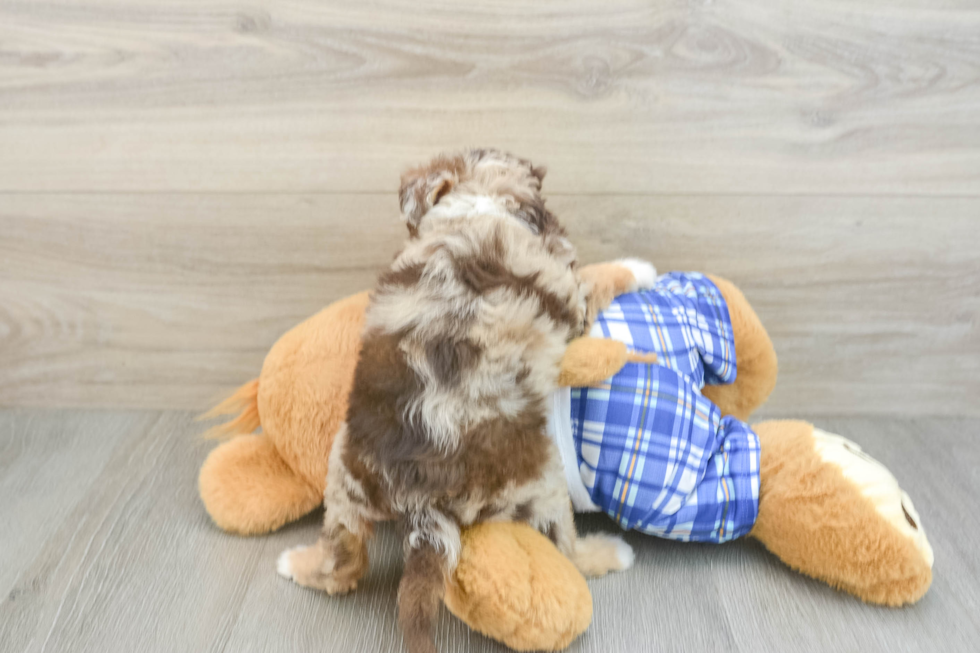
[[824, 507]]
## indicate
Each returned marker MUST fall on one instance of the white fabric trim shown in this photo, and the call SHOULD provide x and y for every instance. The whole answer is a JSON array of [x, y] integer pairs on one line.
[[560, 431]]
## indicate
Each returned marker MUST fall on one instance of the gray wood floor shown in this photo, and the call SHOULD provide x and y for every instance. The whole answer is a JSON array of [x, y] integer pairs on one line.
[[105, 547]]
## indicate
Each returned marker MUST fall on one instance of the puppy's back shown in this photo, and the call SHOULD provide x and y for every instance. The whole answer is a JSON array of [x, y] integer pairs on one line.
[[479, 313]]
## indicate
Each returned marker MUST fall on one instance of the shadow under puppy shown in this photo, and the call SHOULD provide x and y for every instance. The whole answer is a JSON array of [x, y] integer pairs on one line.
[[447, 420]]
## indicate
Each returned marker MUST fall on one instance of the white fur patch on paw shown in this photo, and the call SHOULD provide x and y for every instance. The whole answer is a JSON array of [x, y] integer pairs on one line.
[[600, 553], [876, 483], [284, 566], [624, 553], [643, 272]]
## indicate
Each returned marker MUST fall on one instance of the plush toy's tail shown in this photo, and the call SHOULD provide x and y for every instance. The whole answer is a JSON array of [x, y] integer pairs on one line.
[[245, 402], [245, 484]]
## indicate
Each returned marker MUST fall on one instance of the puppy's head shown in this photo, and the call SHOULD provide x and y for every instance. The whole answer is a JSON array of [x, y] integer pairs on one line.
[[471, 181]]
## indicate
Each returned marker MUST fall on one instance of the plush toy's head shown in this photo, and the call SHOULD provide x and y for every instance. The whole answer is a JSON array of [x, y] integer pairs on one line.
[[475, 181]]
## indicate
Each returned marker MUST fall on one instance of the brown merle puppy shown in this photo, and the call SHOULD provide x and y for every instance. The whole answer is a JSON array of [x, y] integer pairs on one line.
[[447, 421]]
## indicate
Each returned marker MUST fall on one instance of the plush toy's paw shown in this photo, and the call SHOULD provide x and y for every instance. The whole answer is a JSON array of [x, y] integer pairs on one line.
[[248, 488], [309, 566], [513, 585], [600, 553], [643, 272]]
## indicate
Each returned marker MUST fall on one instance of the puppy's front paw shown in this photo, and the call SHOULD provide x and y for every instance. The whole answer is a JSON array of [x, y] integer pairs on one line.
[[643, 272]]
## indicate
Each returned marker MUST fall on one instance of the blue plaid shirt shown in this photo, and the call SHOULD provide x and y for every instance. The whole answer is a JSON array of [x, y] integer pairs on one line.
[[655, 454]]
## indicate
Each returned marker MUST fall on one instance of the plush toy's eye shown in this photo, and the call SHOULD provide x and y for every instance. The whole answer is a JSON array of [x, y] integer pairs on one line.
[[908, 517]]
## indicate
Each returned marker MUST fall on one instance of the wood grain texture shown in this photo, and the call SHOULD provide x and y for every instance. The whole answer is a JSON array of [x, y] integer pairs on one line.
[[165, 301], [182, 181], [626, 96], [48, 462], [135, 565]]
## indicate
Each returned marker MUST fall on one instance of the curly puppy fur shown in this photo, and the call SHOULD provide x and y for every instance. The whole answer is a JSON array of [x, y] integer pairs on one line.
[[446, 425]]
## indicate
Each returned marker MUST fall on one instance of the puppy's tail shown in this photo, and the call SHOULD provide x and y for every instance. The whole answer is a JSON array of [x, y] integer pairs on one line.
[[245, 402], [421, 590]]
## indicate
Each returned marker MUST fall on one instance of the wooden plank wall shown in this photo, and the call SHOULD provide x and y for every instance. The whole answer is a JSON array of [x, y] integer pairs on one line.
[[182, 181]]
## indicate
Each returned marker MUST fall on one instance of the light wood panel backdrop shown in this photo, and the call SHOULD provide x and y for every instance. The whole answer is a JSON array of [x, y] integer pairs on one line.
[[181, 181]]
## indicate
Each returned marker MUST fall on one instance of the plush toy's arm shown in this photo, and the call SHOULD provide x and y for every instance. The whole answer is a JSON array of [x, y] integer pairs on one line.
[[588, 361], [607, 280]]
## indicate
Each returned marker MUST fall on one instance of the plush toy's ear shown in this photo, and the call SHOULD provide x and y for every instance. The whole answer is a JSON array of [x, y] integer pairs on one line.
[[421, 189]]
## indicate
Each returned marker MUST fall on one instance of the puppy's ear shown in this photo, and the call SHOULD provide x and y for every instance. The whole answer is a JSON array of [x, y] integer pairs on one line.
[[539, 172], [421, 189]]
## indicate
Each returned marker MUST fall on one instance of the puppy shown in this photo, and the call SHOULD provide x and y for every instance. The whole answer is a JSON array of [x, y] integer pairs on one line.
[[446, 425]]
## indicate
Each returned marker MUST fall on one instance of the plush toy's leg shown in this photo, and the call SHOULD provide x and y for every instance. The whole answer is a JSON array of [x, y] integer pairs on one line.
[[832, 512], [512, 584], [754, 355], [248, 489]]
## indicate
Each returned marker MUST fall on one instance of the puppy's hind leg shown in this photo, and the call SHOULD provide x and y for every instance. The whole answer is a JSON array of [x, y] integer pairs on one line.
[[599, 553], [339, 558], [594, 555], [333, 564]]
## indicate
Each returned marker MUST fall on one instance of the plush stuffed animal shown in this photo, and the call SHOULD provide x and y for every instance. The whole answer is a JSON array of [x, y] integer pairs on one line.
[[812, 498]]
